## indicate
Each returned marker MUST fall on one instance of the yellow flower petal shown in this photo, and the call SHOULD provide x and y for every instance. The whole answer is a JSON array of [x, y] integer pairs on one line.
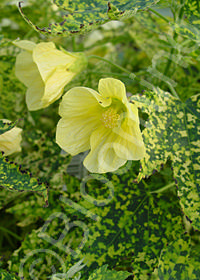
[[55, 84], [27, 72], [25, 45], [10, 141], [81, 114], [80, 101], [34, 95], [112, 88], [73, 135], [102, 157], [128, 143], [47, 58]]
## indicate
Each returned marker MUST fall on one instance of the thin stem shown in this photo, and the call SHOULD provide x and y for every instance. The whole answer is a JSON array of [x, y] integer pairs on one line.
[[174, 38], [169, 62], [159, 15], [109, 73], [130, 75], [11, 233], [164, 188], [173, 91], [182, 9], [198, 7], [111, 63], [73, 43]]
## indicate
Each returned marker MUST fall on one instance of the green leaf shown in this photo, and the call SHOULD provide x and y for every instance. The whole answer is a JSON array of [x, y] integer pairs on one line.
[[44, 158], [6, 126], [190, 28], [172, 131], [85, 15], [177, 263], [133, 229], [103, 273], [4, 275], [13, 178]]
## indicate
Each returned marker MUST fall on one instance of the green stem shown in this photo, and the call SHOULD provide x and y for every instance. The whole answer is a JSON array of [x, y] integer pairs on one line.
[[159, 15], [169, 62], [198, 8], [108, 73], [130, 75], [172, 50], [73, 43], [111, 63], [11, 233], [182, 9], [164, 188], [173, 91]]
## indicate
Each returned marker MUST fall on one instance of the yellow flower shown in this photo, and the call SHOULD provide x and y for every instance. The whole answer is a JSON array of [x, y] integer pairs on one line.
[[10, 140], [45, 71], [104, 123]]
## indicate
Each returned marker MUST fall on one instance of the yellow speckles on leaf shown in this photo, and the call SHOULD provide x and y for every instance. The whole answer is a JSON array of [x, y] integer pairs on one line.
[[183, 133], [180, 115], [176, 138], [111, 251], [191, 118]]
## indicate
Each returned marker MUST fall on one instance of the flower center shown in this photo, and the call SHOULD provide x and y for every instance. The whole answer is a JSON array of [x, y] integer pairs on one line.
[[110, 118]]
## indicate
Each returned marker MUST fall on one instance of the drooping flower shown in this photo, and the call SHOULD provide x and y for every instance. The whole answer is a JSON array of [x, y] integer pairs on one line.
[[10, 140], [45, 71], [104, 123]]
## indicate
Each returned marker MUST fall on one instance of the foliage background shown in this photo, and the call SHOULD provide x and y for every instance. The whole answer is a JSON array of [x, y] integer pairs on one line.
[[144, 230]]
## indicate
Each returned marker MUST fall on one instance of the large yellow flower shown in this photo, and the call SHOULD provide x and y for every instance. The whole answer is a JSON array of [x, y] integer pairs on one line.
[[45, 71], [10, 140], [104, 123]]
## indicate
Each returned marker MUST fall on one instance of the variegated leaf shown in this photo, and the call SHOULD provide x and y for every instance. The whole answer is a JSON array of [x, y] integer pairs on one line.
[[4, 275], [173, 132], [6, 126], [13, 178], [176, 261], [82, 16], [103, 273]]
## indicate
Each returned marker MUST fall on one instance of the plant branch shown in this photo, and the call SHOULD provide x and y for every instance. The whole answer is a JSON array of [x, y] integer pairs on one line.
[[159, 15], [164, 188], [11, 233], [111, 63]]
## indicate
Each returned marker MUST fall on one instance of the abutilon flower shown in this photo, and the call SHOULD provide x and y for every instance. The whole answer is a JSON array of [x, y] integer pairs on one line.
[[45, 71], [10, 140], [104, 123]]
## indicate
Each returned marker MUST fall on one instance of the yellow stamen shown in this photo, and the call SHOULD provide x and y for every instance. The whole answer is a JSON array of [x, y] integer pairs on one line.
[[110, 118]]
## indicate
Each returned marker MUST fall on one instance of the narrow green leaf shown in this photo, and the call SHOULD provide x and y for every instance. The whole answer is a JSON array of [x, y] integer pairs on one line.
[[173, 131], [103, 273]]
